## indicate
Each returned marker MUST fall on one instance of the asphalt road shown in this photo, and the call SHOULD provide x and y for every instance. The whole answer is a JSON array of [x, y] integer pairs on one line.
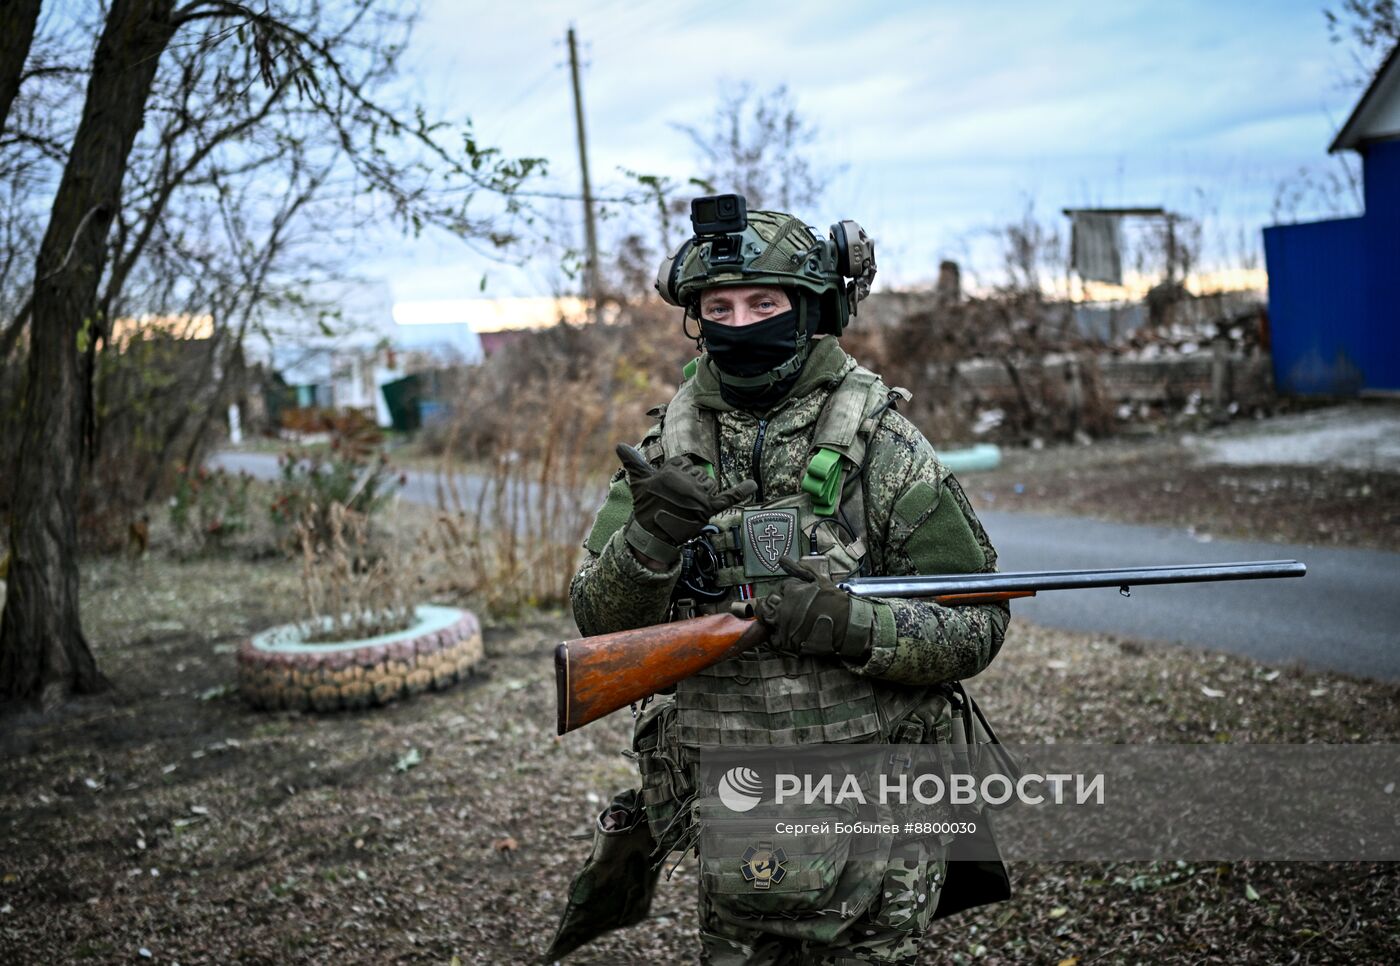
[[1343, 616]]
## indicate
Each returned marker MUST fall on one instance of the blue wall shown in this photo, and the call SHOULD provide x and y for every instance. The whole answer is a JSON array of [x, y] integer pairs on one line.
[[1382, 173], [1334, 292]]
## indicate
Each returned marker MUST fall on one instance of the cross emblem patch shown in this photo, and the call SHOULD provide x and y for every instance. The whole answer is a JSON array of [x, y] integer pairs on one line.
[[769, 537]]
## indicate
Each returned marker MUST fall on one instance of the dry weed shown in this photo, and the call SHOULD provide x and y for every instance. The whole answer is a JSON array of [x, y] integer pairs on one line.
[[351, 590]]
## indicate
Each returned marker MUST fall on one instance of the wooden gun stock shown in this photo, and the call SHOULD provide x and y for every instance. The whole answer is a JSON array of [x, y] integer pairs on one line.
[[597, 675]]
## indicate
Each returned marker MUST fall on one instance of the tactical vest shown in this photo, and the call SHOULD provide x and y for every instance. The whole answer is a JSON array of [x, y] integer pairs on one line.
[[760, 697]]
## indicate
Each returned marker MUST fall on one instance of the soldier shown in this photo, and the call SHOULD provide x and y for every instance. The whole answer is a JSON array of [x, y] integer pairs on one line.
[[778, 445]]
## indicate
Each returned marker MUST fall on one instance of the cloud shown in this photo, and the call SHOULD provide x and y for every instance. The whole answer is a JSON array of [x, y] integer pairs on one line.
[[947, 117]]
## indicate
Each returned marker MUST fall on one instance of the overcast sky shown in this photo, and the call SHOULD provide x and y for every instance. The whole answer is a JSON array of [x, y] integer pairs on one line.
[[945, 119]]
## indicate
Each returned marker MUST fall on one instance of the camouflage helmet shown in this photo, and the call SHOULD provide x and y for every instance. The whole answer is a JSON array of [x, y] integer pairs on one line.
[[733, 246]]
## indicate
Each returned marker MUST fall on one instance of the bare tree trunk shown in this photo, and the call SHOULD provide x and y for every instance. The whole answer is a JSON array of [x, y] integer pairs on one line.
[[17, 20], [43, 654]]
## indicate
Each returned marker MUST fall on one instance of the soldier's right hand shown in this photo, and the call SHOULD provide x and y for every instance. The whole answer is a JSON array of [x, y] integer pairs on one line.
[[672, 503]]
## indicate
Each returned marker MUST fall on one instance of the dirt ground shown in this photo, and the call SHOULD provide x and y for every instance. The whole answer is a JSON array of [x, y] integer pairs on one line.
[[164, 821]]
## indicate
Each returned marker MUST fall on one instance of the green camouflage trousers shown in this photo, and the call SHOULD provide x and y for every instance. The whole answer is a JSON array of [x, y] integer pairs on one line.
[[905, 909]]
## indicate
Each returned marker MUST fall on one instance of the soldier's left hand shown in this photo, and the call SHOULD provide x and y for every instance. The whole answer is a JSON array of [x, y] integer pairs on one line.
[[809, 614]]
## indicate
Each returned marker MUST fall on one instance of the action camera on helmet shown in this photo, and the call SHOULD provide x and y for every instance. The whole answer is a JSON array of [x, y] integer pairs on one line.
[[719, 215]]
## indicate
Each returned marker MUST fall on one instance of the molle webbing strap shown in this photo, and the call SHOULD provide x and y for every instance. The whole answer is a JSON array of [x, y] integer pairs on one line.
[[688, 431], [842, 430], [839, 427], [774, 260]]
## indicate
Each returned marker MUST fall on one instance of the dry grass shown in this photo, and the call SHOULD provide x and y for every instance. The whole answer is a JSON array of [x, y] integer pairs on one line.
[[510, 538], [351, 589]]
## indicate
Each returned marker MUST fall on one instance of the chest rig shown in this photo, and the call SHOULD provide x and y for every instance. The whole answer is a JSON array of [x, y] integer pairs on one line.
[[760, 697]]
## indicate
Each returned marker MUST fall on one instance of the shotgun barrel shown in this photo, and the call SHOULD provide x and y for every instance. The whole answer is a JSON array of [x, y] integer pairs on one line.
[[595, 676], [942, 585]]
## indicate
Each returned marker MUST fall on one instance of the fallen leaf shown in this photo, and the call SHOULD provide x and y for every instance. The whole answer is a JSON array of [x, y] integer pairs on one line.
[[1211, 692], [506, 844], [409, 760], [1069, 961], [1250, 893], [1057, 912]]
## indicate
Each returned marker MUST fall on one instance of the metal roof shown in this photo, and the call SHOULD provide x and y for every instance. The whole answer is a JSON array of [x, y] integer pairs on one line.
[[1386, 82]]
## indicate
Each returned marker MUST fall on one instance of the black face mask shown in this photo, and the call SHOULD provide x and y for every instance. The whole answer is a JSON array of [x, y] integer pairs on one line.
[[747, 352]]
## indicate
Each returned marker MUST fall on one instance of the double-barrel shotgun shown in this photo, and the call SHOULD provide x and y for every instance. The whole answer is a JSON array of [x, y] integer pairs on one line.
[[597, 675]]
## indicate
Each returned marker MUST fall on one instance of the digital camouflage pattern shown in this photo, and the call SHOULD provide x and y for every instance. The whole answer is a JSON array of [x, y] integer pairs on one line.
[[909, 896], [916, 520], [909, 499]]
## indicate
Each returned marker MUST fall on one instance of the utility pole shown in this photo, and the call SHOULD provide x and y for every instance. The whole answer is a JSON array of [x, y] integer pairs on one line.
[[590, 230]]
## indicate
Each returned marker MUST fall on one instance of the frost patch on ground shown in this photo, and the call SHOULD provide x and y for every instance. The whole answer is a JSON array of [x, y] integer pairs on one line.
[[1361, 437]]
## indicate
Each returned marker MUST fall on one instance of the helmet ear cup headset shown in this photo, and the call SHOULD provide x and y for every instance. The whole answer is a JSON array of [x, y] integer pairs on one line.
[[668, 275], [855, 260], [822, 266]]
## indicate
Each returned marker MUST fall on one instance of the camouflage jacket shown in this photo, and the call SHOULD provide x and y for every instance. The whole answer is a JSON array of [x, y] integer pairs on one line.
[[914, 512]]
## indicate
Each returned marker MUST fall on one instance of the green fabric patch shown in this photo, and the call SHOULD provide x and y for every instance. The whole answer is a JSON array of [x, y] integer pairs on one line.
[[910, 509], [689, 369], [823, 481], [612, 516], [943, 542]]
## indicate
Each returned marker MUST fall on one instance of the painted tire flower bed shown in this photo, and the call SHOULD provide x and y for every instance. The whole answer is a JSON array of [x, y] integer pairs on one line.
[[280, 668]]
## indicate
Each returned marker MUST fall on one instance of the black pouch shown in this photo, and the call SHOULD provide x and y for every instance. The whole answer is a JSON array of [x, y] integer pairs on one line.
[[988, 756], [972, 879]]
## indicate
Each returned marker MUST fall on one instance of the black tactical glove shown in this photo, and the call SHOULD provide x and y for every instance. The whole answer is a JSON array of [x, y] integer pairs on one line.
[[672, 503], [809, 614]]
